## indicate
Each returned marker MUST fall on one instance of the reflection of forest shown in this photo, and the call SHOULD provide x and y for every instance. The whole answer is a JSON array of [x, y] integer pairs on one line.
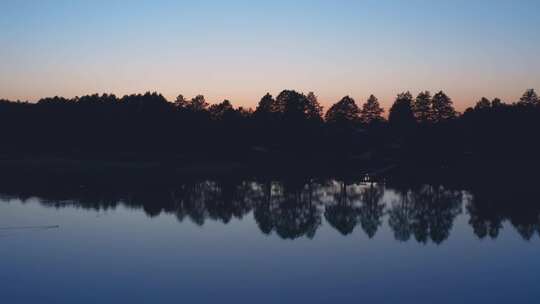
[[491, 205], [427, 212], [293, 209]]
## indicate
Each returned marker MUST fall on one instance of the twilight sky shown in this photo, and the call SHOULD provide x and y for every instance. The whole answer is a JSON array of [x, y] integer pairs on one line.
[[240, 50]]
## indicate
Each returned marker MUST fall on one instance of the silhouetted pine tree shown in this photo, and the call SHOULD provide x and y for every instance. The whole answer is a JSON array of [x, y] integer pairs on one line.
[[266, 105], [292, 104], [181, 102], [422, 107], [197, 104], [371, 111], [344, 111], [221, 110], [314, 109], [529, 98], [443, 108], [483, 103], [401, 116], [496, 102]]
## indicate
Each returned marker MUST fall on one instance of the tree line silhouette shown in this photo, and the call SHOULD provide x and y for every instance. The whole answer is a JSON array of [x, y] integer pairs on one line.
[[295, 208], [292, 125]]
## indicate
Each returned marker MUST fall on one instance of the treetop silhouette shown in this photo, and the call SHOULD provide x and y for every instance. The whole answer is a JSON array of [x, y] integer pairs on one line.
[[147, 126], [344, 111], [401, 115], [422, 107], [371, 111], [529, 98], [442, 107]]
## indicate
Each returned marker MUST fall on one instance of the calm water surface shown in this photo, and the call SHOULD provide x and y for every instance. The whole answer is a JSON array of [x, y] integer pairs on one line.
[[271, 242]]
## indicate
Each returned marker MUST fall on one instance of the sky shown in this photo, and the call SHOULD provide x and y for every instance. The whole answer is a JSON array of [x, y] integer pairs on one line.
[[239, 50]]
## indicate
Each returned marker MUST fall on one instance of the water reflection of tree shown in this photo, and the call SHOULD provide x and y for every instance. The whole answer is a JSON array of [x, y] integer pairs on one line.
[[351, 206], [219, 201], [491, 205], [401, 216], [344, 214], [294, 208], [484, 221], [526, 218], [427, 212], [372, 209], [289, 210]]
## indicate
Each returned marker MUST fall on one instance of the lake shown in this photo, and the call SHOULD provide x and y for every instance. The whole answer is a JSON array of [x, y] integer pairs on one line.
[[271, 241]]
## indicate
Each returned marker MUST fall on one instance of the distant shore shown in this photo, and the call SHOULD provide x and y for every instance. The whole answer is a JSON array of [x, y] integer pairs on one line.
[[71, 173]]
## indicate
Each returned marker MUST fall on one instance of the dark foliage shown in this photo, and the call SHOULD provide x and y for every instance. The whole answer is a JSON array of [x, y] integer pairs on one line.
[[291, 126], [295, 207], [401, 116]]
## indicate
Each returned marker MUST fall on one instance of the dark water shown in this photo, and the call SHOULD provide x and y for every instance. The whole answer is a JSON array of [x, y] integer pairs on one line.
[[271, 242]]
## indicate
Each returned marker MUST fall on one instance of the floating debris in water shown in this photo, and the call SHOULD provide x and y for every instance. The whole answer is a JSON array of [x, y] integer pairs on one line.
[[30, 227]]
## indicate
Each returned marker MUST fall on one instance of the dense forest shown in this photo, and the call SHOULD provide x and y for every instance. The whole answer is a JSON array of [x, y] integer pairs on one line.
[[292, 126]]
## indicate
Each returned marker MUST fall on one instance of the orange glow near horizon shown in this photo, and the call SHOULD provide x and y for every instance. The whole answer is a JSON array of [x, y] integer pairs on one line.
[[461, 102], [240, 50]]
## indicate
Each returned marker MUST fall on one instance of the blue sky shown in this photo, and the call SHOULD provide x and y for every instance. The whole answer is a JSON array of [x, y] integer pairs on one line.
[[241, 49]]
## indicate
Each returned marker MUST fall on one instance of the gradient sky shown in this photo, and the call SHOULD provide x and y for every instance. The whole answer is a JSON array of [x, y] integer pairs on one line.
[[240, 50]]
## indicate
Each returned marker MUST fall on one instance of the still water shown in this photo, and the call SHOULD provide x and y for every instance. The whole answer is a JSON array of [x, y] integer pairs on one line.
[[271, 242]]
